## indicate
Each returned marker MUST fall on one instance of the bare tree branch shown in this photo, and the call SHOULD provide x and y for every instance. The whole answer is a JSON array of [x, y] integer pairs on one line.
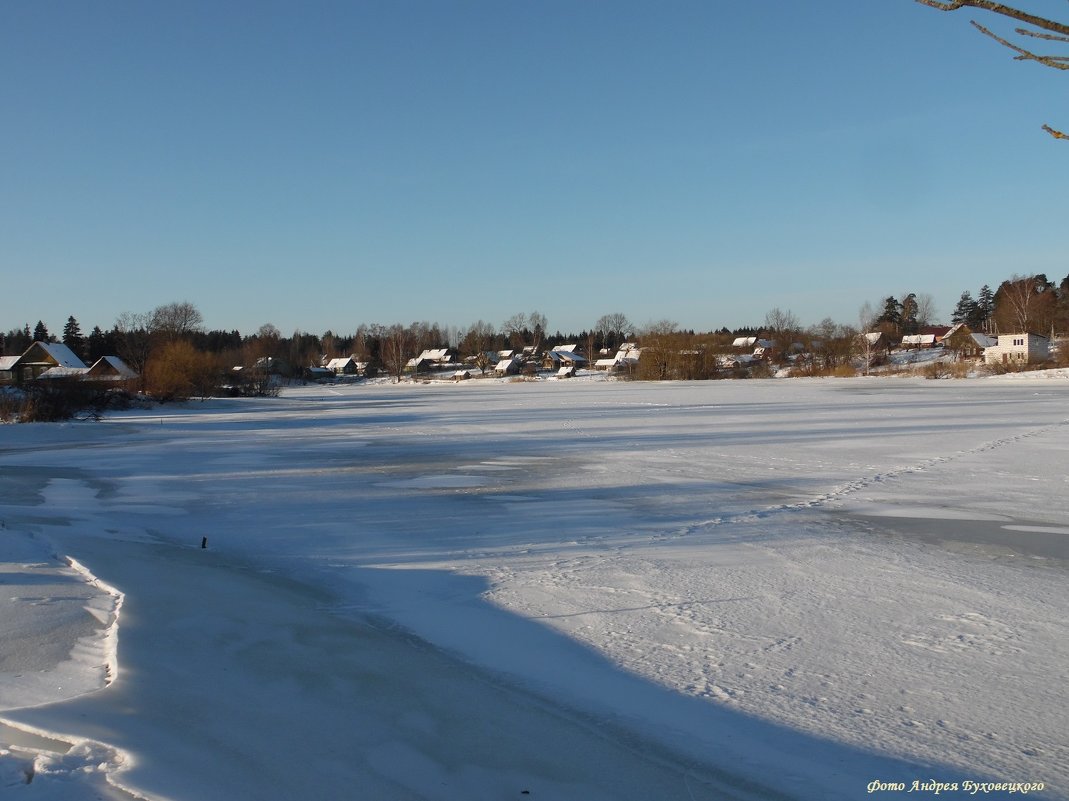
[[1023, 55], [1060, 33], [1037, 35], [999, 8]]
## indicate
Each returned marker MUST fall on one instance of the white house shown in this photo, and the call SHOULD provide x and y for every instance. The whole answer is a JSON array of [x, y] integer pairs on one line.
[[1018, 349]]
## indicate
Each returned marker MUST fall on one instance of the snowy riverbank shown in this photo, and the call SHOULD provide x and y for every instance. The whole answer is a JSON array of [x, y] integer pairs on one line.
[[589, 590]]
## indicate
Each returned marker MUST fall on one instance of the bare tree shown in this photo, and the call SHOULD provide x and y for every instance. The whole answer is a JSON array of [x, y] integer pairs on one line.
[[926, 309], [133, 340], [1025, 303], [660, 348], [782, 328], [614, 328], [514, 324], [866, 316], [537, 322], [479, 338], [1048, 30], [175, 320], [398, 346]]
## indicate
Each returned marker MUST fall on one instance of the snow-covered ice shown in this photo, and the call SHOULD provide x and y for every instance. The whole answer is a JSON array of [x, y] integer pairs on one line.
[[751, 589]]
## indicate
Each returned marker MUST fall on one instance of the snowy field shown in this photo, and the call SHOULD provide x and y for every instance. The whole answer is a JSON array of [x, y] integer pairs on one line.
[[557, 590]]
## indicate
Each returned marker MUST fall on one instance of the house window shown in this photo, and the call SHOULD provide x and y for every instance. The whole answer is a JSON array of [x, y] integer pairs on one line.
[[1018, 342]]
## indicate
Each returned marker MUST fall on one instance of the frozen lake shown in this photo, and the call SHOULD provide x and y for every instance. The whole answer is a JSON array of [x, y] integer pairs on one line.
[[588, 589]]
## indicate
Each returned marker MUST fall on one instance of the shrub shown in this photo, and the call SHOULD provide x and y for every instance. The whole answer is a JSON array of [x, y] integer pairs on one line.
[[53, 401], [178, 371]]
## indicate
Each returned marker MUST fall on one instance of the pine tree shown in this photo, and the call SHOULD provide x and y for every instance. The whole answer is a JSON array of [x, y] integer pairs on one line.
[[892, 313], [985, 308], [72, 337], [966, 311], [40, 333], [909, 309], [97, 344], [18, 340]]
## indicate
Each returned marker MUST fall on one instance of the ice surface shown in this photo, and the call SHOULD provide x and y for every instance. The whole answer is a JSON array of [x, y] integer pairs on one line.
[[706, 590]]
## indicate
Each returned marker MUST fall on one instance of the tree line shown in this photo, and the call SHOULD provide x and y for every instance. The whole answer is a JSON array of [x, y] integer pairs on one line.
[[175, 356]]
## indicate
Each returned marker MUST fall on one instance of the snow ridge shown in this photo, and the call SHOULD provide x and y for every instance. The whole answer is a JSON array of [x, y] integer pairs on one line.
[[51, 762], [108, 644]]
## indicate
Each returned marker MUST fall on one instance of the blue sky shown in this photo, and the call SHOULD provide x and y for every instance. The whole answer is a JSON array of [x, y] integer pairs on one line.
[[319, 165]]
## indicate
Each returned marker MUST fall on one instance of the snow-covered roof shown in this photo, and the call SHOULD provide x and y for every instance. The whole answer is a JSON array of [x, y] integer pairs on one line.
[[59, 353], [744, 342], [340, 363], [918, 339], [622, 357], [64, 372], [984, 341], [740, 359], [564, 349], [872, 337], [112, 365], [565, 356], [953, 330], [8, 362]]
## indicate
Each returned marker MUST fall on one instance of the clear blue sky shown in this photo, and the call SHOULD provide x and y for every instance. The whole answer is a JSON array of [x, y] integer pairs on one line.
[[318, 165]]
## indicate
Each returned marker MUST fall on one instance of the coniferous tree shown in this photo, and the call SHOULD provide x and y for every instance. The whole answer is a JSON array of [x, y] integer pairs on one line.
[[97, 344], [40, 333], [17, 340], [72, 337], [966, 310], [892, 314], [909, 309], [985, 307]]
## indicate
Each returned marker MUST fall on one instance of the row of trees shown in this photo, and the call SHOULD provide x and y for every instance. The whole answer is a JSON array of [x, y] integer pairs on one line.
[[176, 357]]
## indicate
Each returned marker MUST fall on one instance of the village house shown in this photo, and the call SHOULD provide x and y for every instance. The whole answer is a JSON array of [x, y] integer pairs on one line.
[[507, 366], [915, 341], [49, 361], [7, 369], [346, 365], [43, 357], [625, 359], [1018, 349], [110, 369], [966, 343], [431, 359], [563, 356]]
